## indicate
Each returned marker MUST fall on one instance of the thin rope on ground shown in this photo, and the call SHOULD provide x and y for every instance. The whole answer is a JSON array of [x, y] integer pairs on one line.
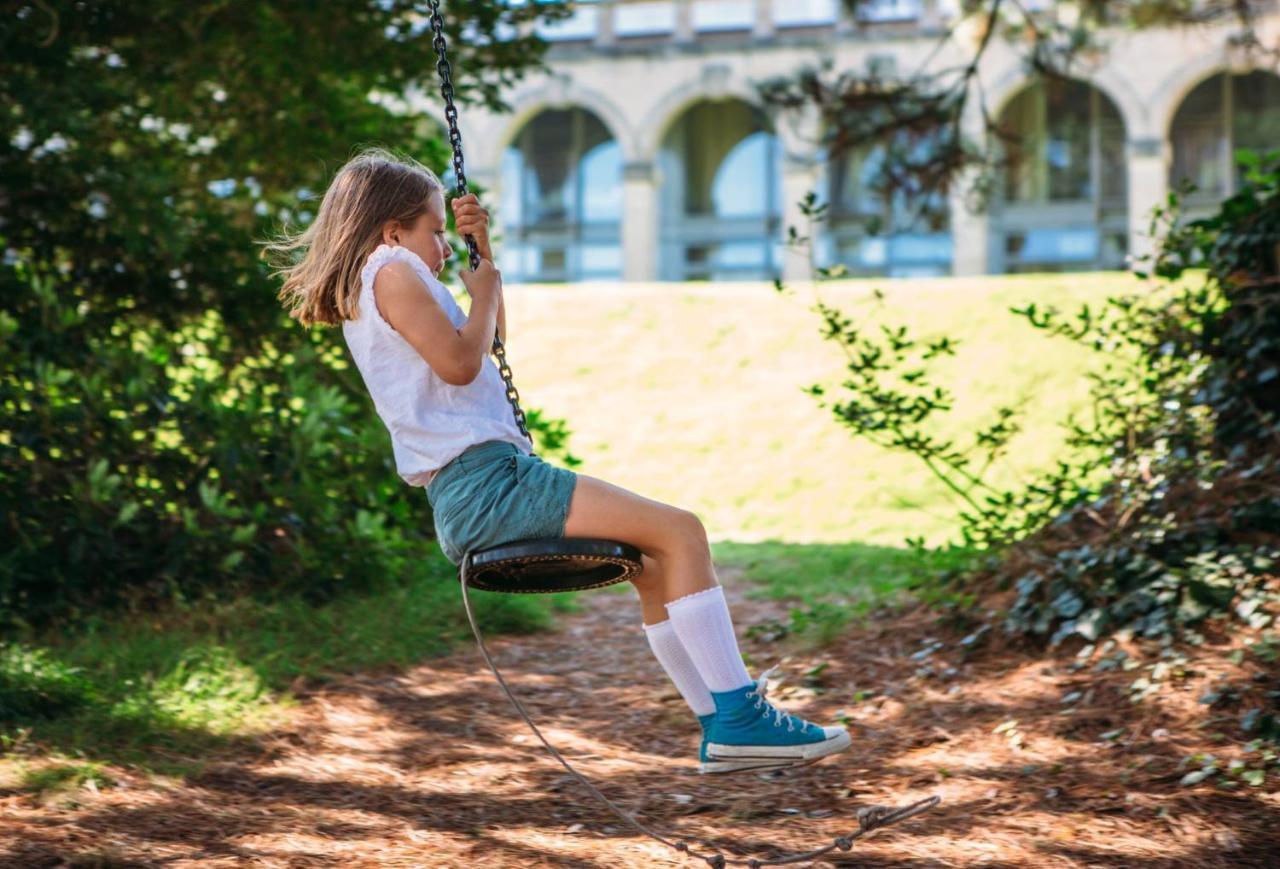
[[870, 819]]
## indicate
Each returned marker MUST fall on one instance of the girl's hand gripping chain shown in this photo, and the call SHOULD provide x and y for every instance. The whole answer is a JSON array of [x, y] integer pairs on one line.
[[470, 219], [484, 284], [473, 220]]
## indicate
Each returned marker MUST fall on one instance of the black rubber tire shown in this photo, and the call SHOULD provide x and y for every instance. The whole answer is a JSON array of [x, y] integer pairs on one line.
[[552, 564]]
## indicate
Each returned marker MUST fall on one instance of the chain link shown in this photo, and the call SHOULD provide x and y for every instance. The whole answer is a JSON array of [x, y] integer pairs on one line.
[[473, 252]]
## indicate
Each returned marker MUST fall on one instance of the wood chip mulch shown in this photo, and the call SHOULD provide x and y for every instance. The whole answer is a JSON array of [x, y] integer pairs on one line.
[[431, 767]]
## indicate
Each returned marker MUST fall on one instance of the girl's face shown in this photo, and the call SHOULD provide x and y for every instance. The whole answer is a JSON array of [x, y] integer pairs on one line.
[[426, 238]]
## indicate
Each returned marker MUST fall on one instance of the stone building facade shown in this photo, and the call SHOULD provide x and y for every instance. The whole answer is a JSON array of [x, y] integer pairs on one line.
[[645, 154]]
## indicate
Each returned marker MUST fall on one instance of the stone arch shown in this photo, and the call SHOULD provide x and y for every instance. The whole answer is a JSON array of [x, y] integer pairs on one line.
[[721, 197], [716, 85], [1061, 199], [1237, 108], [1169, 95], [559, 200], [1118, 91], [560, 94]]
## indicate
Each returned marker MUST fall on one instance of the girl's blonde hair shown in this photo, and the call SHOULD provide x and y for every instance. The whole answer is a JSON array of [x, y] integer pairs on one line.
[[321, 265]]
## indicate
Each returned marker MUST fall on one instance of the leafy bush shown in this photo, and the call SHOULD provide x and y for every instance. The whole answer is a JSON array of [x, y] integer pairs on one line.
[[35, 686], [1188, 524], [165, 429], [142, 462], [1170, 509]]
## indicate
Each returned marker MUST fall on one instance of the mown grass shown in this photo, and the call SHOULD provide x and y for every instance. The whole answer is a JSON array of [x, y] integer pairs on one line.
[[697, 398], [695, 395]]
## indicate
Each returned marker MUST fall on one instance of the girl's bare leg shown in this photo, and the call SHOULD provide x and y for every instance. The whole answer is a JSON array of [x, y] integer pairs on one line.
[[677, 556], [704, 661], [651, 585]]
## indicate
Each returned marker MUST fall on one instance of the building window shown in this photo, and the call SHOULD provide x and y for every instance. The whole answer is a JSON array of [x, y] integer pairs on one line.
[[581, 24], [721, 193], [561, 206], [805, 13], [876, 230], [1063, 193], [878, 11], [644, 19], [1222, 115], [711, 15]]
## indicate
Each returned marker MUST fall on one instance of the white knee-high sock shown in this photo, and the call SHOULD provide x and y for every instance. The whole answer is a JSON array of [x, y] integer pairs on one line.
[[705, 629], [671, 654]]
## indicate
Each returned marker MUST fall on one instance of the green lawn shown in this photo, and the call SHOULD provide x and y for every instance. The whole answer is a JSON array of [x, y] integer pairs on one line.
[[692, 394]]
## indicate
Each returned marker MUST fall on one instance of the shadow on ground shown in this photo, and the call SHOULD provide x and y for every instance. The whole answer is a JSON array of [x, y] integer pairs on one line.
[[431, 766]]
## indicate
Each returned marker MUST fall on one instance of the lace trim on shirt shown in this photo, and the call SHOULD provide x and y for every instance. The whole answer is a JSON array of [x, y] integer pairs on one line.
[[385, 253]]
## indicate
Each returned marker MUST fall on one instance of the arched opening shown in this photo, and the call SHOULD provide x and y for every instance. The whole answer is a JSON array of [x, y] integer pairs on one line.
[[1063, 197], [878, 226], [721, 195], [561, 205], [1221, 115]]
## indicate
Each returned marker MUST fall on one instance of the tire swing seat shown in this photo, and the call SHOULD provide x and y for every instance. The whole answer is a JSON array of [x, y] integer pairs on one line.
[[551, 564]]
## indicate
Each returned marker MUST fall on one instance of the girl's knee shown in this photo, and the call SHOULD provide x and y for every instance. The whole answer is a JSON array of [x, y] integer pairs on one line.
[[685, 531], [691, 526]]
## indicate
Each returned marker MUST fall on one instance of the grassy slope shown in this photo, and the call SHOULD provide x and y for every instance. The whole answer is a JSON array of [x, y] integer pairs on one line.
[[695, 397]]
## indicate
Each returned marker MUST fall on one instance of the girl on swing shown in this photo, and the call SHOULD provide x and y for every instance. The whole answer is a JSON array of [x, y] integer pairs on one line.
[[370, 262]]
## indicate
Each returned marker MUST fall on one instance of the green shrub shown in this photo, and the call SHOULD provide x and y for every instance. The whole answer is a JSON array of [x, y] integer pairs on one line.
[[165, 430], [1188, 524], [1169, 509], [143, 463], [35, 686]]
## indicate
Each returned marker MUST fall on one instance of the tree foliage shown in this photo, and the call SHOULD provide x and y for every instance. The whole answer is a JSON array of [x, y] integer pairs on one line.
[[165, 427]]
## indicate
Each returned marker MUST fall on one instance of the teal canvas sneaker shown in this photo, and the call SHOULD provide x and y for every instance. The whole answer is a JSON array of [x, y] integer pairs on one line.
[[749, 732], [707, 765]]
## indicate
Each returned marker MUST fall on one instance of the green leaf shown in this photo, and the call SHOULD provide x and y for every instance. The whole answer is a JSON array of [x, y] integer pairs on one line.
[[1196, 776]]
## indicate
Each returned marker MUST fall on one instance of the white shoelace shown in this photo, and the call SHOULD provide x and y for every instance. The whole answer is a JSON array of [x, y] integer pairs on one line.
[[761, 689]]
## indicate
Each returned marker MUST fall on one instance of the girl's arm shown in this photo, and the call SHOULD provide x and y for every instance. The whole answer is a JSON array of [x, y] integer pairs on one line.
[[470, 219], [456, 355]]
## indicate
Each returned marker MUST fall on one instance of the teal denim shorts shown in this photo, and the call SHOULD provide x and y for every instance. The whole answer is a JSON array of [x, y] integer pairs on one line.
[[494, 494]]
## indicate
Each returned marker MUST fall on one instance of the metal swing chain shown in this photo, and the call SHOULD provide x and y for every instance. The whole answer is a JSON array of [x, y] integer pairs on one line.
[[473, 253]]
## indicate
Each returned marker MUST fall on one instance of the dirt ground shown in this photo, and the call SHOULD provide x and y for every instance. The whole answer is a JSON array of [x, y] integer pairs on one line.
[[1037, 764]]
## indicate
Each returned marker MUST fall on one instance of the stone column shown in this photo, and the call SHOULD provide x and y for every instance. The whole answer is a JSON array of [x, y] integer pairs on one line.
[[763, 28], [684, 22], [970, 230], [605, 37], [973, 226], [1148, 185], [800, 177], [639, 222]]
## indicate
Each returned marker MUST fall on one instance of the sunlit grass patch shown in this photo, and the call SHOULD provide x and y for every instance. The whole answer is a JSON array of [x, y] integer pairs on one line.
[[831, 585], [170, 690], [65, 777], [693, 394]]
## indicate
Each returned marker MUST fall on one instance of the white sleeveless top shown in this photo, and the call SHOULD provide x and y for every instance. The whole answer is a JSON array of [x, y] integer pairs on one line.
[[431, 422]]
